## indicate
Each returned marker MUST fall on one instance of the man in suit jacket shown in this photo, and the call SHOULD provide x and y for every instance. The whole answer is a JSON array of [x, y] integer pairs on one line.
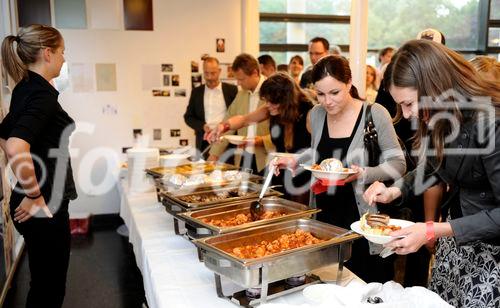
[[246, 70], [208, 103]]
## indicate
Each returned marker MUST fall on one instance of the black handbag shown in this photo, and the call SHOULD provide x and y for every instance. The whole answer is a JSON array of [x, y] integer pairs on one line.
[[370, 139]]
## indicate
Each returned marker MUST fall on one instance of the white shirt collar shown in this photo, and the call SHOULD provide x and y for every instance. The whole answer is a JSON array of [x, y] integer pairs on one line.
[[218, 87], [262, 78]]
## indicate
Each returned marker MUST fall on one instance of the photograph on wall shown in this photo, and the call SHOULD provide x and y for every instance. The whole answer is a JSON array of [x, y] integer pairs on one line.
[[138, 15], [183, 142], [157, 134], [220, 45], [166, 80], [195, 80], [195, 67], [137, 133], [175, 132], [167, 68], [180, 92], [204, 56], [160, 92], [175, 80]]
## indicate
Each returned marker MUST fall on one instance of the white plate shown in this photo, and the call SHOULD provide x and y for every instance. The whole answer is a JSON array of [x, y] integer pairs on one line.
[[330, 175], [380, 239], [235, 139]]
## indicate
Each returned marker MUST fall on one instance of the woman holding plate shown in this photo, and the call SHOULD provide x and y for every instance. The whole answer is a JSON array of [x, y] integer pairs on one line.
[[287, 107], [337, 130], [459, 134]]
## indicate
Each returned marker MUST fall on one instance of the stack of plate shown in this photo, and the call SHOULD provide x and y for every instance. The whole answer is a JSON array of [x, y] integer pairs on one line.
[[173, 160], [140, 159]]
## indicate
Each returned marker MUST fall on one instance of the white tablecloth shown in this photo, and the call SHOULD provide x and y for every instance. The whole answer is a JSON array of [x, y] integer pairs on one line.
[[172, 274]]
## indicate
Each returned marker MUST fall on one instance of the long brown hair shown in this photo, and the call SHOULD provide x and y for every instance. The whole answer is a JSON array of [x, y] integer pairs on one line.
[[28, 43], [487, 67], [281, 89], [433, 69]]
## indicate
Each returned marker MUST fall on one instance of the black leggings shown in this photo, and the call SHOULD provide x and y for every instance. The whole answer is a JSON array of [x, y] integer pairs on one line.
[[48, 243]]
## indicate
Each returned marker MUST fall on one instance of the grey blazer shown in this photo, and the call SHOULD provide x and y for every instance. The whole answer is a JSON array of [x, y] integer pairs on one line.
[[392, 165], [473, 174]]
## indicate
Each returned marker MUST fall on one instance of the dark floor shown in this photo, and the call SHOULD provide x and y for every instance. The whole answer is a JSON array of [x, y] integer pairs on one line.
[[102, 273]]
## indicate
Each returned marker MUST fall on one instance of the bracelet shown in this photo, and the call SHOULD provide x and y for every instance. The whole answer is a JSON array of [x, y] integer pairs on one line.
[[430, 235], [35, 197]]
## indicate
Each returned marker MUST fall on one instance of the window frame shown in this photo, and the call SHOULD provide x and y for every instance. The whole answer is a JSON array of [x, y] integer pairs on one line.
[[490, 23], [482, 47]]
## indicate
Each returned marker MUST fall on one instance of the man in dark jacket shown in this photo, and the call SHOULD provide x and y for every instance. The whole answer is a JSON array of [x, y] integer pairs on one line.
[[208, 103]]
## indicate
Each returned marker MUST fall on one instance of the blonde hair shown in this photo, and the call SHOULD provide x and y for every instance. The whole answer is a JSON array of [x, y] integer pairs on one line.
[[432, 69], [374, 72], [487, 67], [29, 42]]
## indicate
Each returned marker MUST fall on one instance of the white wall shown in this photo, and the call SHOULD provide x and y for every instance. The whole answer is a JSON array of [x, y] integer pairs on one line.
[[183, 30]]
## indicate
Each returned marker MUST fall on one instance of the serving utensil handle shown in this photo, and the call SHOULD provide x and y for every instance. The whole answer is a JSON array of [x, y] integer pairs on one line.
[[267, 182]]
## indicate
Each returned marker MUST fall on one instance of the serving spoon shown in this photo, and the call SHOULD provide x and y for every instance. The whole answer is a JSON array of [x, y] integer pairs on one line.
[[256, 207]]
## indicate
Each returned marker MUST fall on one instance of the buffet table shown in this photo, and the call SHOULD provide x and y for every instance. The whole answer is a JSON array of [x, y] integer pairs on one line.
[[172, 274]]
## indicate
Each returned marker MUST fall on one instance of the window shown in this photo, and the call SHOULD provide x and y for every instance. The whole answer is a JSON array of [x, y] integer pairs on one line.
[[392, 22], [469, 26], [286, 26], [493, 28]]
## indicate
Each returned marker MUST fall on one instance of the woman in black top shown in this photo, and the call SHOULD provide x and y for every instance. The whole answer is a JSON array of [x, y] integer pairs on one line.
[[35, 135], [287, 108]]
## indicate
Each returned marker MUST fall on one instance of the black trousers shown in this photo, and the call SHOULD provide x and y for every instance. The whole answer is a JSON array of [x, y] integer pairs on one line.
[[48, 243]]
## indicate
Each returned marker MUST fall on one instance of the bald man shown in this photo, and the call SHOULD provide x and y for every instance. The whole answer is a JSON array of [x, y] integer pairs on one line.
[[208, 103]]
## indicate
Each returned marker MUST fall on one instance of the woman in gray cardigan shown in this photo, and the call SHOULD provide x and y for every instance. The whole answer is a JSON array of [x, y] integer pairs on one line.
[[337, 130]]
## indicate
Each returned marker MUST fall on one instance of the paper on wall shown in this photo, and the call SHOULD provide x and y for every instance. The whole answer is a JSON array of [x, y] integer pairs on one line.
[[105, 74], [151, 77], [82, 77], [104, 14]]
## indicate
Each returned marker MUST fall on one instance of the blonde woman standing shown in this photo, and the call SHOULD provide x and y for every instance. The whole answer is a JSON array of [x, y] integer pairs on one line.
[[35, 129]]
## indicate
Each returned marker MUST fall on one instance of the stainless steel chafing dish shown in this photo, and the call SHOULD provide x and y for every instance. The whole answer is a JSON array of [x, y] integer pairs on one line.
[[177, 200], [261, 272], [174, 205], [197, 228]]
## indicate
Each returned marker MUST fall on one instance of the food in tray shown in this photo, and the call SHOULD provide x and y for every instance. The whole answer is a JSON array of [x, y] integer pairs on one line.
[[377, 224], [240, 219], [197, 168], [217, 176], [213, 196], [287, 241]]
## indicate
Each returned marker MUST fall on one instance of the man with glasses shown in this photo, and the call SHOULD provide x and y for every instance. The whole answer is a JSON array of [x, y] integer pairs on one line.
[[318, 48]]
